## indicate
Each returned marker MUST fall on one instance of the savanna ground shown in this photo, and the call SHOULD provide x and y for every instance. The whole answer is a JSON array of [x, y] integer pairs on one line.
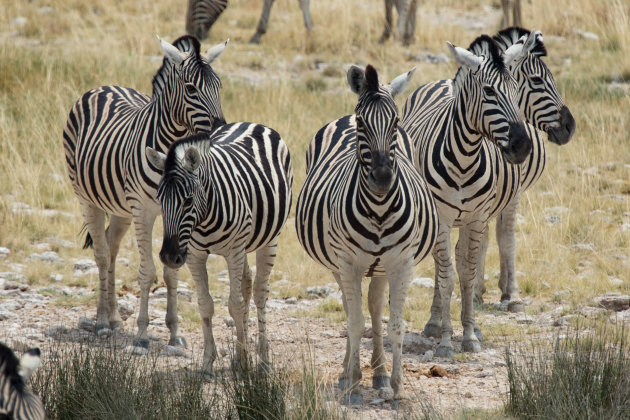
[[573, 231]]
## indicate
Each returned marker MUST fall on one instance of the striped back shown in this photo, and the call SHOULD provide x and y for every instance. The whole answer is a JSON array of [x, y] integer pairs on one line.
[[221, 189], [202, 14], [539, 100], [17, 401]]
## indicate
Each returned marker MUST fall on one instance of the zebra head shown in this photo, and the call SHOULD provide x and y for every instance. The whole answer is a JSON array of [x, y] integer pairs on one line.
[[197, 87], [16, 399], [490, 94], [377, 128], [539, 100], [182, 197]]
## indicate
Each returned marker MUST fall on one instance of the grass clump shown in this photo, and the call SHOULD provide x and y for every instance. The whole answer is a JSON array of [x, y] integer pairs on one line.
[[585, 375]]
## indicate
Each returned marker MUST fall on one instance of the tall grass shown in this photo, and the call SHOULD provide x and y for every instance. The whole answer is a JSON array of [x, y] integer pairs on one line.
[[586, 374]]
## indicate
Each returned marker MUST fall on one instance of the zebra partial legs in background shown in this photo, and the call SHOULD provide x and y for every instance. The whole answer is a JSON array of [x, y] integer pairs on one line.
[[201, 15], [452, 124], [227, 193], [406, 25], [105, 134], [365, 210], [511, 8], [542, 106], [17, 401], [263, 23]]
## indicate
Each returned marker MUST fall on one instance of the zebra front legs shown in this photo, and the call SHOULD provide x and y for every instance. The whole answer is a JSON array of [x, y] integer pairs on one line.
[[265, 260], [376, 302], [263, 23], [114, 233], [506, 240], [196, 262], [237, 306]]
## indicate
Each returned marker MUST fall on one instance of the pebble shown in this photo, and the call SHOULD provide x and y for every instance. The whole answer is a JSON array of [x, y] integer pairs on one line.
[[423, 282], [319, 291], [138, 351]]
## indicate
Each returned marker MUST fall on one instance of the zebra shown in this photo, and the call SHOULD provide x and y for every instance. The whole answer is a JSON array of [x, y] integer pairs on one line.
[[406, 26], [202, 14], [228, 193], [447, 121], [365, 210], [17, 401], [104, 138], [542, 106], [513, 8]]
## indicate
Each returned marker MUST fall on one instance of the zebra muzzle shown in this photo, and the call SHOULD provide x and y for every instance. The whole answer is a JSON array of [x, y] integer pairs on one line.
[[171, 254], [564, 131], [519, 144]]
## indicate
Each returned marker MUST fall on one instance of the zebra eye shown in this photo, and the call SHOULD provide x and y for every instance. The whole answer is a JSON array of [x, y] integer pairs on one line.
[[187, 202], [489, 91], [537, 80], [191, 89]]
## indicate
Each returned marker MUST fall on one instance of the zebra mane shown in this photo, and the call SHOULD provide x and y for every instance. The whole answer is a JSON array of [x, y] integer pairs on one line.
[[486, 46], [9, 364], [184, 43], [202, 141], [510, 36]]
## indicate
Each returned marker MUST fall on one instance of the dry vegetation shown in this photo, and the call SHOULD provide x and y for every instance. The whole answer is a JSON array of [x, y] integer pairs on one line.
[[59, 52]]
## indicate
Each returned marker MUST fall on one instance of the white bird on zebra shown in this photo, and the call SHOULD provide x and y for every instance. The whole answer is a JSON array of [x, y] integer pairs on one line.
[[365, 210], [542, 106], [453, 125], [17, 401], [104, 140], [228, 193]]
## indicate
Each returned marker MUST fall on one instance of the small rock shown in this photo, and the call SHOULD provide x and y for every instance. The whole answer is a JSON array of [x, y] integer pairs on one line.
[[84, 264], [4, 315], [500, 363], [14, 281], [615, 302], [223, 276], [48, 256], [591, 312], [57, 331], [104, 333], [377, 401], [291, 300], [427, 356], [173, 351], [437, 371], [125, 309], [585, 247], [229, 322], [386, 394], [138, 351], [19, 21], [614, 281], [415, 343], [319, 291], [552, 219], [485, 373], [56, 277], [4, 252], [587, 35], [524, 319], [468, 394], [86, 324], [423, 282]]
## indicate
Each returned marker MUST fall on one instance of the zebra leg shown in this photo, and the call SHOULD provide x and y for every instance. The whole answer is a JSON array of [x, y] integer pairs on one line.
[[343, 380], [376, 301], [470, 236], [143, 221], [265, 260], [461, 256], [246, 291], [506, 239], [433, 327], [197, 266], [351, 277], [505, 7], [236, 305], [399, 278], [480, 285], [516, 12], [387, 30], [410, 26], [117, 228], [305, 6], [445, 279], [171, 278], [403, 9], [95, 223], [261, 29]]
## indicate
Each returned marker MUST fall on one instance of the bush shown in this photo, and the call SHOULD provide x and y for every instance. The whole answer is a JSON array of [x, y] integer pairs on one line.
[[585, 375]]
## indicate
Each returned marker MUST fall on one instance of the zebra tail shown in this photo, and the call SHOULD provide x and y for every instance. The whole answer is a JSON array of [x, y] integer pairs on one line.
[[89, 243]]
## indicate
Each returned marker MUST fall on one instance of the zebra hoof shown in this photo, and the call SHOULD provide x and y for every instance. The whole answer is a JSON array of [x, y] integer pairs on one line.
[[343, 384], [115, 325], [104, 332], [255, 39], [432, 330], [379, 382], [178, 342], [471, 346], [141, 342], [353, 398], [444, 351]]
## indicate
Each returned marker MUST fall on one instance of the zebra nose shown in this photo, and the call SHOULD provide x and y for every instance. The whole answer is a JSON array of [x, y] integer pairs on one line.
[[519, 146], [170, 254]]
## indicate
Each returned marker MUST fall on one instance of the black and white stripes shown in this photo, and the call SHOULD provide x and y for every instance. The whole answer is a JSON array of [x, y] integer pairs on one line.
[[364, 210], [17, 401], [228, 193], [104, 140]]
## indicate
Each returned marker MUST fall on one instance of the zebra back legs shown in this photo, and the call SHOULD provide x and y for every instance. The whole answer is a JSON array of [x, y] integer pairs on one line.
[[445, 280], [197, 265], [387, 30], [306, 12], [506, 240], [236, 304], [94, 219], [116, 230], [143, 220], [433, 327], [376, 301], [261, 29], [265, 260]]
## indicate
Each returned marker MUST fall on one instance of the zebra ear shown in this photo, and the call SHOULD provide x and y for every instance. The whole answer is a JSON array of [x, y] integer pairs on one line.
[[356, 79], [192, 159], [465, 57], [514, 54], [174, 55], [214, 52], [399, 84], [158, 159], [29, 363]]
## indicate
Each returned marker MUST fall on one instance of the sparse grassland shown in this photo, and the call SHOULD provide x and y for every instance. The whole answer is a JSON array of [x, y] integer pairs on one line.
[[573, 234]]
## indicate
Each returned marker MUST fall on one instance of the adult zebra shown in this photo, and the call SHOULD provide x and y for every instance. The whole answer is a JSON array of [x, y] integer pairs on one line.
[[202, 14], [104, 140], [542, 106], [447, 122], [365, 210], [228, 193], [17, 401], [406, 25]]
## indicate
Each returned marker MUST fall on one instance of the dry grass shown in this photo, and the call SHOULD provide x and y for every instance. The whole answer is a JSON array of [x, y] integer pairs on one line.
[[49, 61]]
